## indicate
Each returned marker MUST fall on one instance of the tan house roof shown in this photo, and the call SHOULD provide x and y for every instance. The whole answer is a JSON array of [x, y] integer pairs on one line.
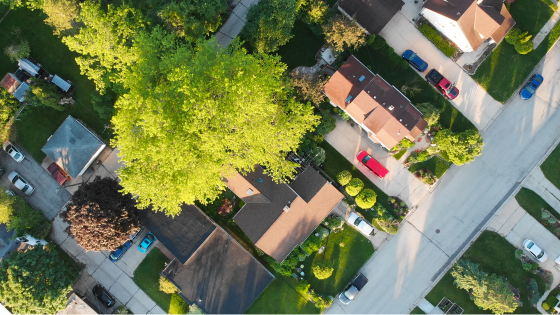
[[10, 82]]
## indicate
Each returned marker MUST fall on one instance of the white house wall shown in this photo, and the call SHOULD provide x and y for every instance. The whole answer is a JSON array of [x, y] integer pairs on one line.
[[449, 28]]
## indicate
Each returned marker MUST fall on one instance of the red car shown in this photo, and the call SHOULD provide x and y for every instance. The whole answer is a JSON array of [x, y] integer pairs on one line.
[[58, 174], [375, 167]]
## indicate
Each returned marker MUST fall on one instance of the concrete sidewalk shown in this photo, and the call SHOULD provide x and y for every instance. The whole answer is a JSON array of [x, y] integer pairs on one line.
[[473, 101], [234, 24], [537, 40], [542, 186]]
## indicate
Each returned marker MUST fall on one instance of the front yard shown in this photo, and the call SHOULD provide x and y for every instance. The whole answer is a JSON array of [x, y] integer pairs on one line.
[[550, 167], [495, 255], [436, 165], [534, 204], [281, 297]]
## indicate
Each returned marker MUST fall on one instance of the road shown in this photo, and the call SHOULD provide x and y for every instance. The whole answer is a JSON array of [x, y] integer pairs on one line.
[[403, 270]]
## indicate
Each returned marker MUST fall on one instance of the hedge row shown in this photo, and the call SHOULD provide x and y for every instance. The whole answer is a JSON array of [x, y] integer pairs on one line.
[[439, 41]]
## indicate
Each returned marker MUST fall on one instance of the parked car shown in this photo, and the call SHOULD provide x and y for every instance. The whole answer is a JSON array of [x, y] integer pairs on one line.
[[375, 167], [103, 296], [352, 289], [414, 60], [21, 183], [442, 84], [147, 242], [14, 152], [531, 87], [119, 252], [135, 235], [535, 250], [361, 224], [58, 174]]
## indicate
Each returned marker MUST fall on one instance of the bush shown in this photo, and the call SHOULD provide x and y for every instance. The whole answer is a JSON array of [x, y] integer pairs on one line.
[[380, 43], [366, 198], [17, 51], [524, 45], [370, 39], [328, 123], [437, 39], [334, 222], [167, 286], [406, 144], [354, 186], [389, 51], [545, 306], [513, 35], [423, 156], [344, 177], [534, 291], [312, 244], [323, 302], [322, 269], [102, 104]]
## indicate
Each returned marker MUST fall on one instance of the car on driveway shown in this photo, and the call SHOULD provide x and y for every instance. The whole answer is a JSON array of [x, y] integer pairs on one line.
[[360, 224], [21, 183], [103, 296], [147, 242], [58, 173], [415, 61], [531, 87], [535, 250], [443, 85], [352, 289], [375, 167], [119, 252], [14, 152]]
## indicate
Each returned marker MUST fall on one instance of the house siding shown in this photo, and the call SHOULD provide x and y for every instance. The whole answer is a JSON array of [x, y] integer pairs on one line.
[[449, 28]]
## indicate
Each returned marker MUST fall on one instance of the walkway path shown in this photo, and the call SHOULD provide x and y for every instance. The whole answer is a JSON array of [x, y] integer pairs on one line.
[[542, 186], [537, 40], [234, 24]]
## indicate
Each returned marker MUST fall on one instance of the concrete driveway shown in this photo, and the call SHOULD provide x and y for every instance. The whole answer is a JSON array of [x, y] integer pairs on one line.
[[473, 101], [47, 196]]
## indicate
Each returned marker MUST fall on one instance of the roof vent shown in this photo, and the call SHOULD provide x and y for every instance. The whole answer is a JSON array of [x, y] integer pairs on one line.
[[368, 92], [401, 106], [383, 103], [72, 140], [249, 191], [400, 119], [349, 98], [259, 180], [406, 125], [362, 78], [287, 207], [391, 107]]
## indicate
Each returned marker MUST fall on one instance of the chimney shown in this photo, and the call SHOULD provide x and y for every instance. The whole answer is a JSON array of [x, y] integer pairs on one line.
[[391, 107]]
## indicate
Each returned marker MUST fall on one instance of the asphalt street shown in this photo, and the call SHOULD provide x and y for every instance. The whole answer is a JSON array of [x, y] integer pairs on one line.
[[403, 270]]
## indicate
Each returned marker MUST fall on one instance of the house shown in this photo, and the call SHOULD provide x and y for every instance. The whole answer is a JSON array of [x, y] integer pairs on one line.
[[371, 15], [469, 23], [279, 217], [378, 107], [210, 268], [73, 147]]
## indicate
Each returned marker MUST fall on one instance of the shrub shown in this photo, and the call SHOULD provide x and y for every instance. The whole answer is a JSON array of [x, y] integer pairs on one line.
[[423, 156], [380, 43], [366, 198], [323, 302], [371, 39], [513, 35], [17, 51], [344, 177], [524, 45], [545, 215], [334, 222], [354, 186], [527, 266], [406, 144], [312, 244], [437, 40], [552, 220], [167, 286], [534, 291], [322, 269], [518, 253], [328, 123], [389, 51], [545, 306], [431, 113]]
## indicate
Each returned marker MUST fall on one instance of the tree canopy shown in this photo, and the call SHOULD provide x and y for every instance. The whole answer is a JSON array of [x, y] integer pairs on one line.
[[100, 216], [28, 221], [8, 106], [6, 206], [43, 93], [459, 148], [61, 14], [342, 33], [35, 281]]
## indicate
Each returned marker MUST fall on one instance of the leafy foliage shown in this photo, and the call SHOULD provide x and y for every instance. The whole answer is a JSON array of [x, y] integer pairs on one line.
[[534, 291], [100, 217], [437, 39], [102, 104], [310, 86], [385, 220], [366, 198], [312, 244], [167, 286], [513, 35], [285, 268], [43, 93], [269, 24], [35, 281], [328, 123], [354, 186], [61, 14], [28, 221], [6, 206], [430, 113], [520, 40], [344, 177], [459, 148], [322, 269], [8, 107], [17, 51], [318, 155], [317, 12], [342, 33]]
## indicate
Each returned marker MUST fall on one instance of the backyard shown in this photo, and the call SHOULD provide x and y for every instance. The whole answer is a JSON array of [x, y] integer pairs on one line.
[[550, 167], [505, 70], [146, 276], [301, 49], [494, 254], [281, 297]]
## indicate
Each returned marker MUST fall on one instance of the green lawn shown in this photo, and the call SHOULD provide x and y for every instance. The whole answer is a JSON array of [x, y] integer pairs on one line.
[[436, 165], [417, 310], [36, 125], [550, 167], [533, 204], [505, 70], [380, 64], [349, 251], [398, 155], [280, 297], [495, 255], [146, 276], [301, 49]]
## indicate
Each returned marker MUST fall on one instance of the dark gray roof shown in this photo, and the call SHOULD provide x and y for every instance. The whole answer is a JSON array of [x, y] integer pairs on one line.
[[72, 146], [183, 234], [308, 184], [221, 277], [372, 15]]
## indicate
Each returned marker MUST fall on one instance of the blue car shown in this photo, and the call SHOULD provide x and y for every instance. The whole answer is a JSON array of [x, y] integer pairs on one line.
[[119, 252], [415, 61], [531, 86], [147, 242]]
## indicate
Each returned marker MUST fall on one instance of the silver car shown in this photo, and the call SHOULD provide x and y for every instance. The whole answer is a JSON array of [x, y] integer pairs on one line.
[[21, 183], [14, 152], [535, 250]]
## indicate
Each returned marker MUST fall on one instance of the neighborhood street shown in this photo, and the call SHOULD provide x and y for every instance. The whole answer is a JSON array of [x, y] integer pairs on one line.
[[447, 219]]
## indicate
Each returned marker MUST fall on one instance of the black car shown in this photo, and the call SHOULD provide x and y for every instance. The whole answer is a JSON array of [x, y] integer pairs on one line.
[[103, 296]]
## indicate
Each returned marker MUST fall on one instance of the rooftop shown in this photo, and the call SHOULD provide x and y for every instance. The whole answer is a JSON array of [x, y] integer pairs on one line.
[[372, 15]]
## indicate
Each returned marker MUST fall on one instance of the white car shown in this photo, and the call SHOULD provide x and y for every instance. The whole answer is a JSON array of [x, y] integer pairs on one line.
[[361, 224], [21, 183], [536, 251], [14, 152]]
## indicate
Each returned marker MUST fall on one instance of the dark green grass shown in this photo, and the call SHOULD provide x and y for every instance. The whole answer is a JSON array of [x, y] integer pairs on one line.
[[146, 276], [37, 124], [495, 255], [533, 204], [280, 297], [301, 49], [436, 165], [505, 70], [380, 64], [550, 167], [417, 310], [348, 250], [397, 156]]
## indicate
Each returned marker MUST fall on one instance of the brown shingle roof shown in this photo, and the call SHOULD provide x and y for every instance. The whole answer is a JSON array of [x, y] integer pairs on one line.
[[487, 20], [346, 82], [507, 24], [10, 82], [372, 15]]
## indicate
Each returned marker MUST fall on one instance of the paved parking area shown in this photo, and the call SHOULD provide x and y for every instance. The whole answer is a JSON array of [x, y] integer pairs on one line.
[[48, 195]]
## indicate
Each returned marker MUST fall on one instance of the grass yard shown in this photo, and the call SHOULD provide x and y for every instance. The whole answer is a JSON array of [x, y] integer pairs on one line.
[[380, 64], [349, 251], [495, 255], [37, 124], [399, 155], [533, 204], [280, 297], [146, 276], [550, 167], [505, 70], [301, 49], [436, 165], [417, 310]]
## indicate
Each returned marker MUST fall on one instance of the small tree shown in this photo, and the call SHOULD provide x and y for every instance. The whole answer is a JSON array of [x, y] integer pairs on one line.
[[61, 14], [342, 33], [430, 112], [28, 221], [513, 35], [459, 148], [167, 286], [344, 177], [524, 45], [318, 155], [6, 206], [317, 12], [43, 93], [102, 104], [17, 51], [366, 198], [354, 186], [8, 106], [312, 244], [310, 86], [327, 124], [322, 269]]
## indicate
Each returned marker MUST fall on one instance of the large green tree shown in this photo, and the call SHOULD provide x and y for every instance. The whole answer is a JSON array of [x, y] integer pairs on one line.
[[36, 281], [201, 115], [8, 106], [42, 93], [342, 33], [6, 206], [28, 221], [61, 14], [269, 24], [459, 148]]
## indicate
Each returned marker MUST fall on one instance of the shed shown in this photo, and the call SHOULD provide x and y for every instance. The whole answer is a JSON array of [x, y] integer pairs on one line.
[[29, 67], [61, 83], [10, 82], [19, 93]]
